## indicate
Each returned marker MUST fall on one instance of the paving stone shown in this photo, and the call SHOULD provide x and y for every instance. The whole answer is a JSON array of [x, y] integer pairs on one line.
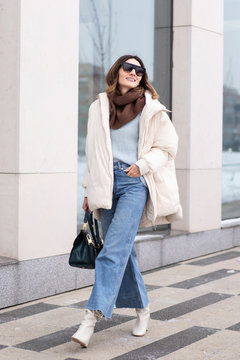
[[167, 345], [204, 279], [48, 341], [223, 345], [10, 353], [225, 285], [185, 307], [216, 258], [161, 268], [78, 305], [219, 315], [193, 317], [152, 287], [63, 336], [25, 311], [235, 327], [82, 304]]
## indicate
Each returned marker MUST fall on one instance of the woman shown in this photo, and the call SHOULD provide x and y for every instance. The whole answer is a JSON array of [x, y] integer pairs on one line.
[[129, 180]]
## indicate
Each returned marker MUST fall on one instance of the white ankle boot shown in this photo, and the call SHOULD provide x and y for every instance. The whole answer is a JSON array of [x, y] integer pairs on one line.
[[86, 329], [141, 325]]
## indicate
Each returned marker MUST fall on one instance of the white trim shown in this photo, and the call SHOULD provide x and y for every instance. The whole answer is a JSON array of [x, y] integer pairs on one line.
[[230, 222]]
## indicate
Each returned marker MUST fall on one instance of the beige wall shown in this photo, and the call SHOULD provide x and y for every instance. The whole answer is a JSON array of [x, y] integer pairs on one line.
[[38, 135], [197, 110]]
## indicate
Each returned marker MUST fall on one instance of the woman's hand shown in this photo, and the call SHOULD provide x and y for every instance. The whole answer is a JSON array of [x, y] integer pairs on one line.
[[133, 170], [85, 204]]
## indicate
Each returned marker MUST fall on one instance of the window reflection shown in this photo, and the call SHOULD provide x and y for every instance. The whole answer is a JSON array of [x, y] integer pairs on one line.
[[231, 111]]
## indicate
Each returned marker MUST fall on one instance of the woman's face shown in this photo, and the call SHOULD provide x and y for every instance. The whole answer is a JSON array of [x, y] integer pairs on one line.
[[128, 80]]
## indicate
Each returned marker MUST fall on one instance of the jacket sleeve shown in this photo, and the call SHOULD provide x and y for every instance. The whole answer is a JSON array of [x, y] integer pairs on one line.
[[164, 145], [89, 125]]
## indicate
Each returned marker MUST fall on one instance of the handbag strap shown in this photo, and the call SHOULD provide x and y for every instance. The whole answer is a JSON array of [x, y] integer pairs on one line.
[[93, 226], [98, 238], [96, 227]]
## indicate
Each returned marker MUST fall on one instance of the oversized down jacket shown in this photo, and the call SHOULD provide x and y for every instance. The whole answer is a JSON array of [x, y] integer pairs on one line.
[[156, 136]]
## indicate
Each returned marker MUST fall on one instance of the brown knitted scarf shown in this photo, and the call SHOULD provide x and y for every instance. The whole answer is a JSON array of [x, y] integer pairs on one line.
[[124, 108]]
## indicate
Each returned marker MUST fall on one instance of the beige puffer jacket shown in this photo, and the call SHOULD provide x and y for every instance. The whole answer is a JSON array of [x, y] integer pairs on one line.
[[157, 137]]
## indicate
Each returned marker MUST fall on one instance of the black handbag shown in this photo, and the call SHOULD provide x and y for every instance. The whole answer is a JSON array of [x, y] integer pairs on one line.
[[86, 246]]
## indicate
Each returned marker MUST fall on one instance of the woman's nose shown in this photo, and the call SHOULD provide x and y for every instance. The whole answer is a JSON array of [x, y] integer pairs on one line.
[[133, 72]]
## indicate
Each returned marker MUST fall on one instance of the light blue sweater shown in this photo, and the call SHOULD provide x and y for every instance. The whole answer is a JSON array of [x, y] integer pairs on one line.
[[125, 143]]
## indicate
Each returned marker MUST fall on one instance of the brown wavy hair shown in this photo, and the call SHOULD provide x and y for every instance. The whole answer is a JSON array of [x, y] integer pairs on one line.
[[112, 78]]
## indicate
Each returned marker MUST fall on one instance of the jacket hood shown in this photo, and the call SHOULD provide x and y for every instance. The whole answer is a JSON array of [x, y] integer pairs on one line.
[[153, 105]]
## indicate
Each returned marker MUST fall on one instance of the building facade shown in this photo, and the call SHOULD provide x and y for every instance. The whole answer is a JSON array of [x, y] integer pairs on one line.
[[54, 56]]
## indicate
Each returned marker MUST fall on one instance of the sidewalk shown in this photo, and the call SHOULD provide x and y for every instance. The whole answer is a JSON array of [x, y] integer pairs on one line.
[[195, 315]]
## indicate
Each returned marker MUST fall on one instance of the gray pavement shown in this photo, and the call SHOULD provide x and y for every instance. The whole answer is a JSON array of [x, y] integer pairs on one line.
[[195, 315]]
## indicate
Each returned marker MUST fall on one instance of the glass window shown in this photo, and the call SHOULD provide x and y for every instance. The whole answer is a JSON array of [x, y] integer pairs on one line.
[[107, 30], [231, 111]]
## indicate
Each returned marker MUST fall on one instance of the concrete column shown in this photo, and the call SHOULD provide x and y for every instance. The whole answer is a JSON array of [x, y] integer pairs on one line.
[[38, 127], [197, 110]]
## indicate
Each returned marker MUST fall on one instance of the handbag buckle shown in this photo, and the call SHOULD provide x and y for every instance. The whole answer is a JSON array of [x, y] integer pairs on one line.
[[89, 240], [84, 226], [100, 245]]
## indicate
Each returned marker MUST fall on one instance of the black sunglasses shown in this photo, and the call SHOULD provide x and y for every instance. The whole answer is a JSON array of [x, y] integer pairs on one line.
[[138, 69]]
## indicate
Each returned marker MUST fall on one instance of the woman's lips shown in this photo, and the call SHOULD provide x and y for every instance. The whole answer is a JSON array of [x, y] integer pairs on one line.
[[131, 79]]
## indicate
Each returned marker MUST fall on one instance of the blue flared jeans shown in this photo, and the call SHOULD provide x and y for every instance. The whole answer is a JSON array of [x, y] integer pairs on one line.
[[118, 280]]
